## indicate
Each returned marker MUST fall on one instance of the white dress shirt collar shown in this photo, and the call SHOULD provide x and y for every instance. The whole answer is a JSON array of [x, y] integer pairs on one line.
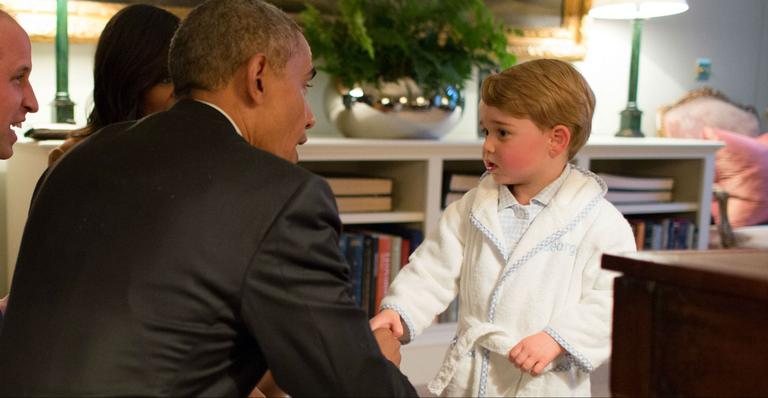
[[214, 106]]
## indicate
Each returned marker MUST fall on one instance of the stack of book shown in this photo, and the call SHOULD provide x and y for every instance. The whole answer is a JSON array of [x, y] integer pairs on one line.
[[627, 189], [456, 185], [361, 194]]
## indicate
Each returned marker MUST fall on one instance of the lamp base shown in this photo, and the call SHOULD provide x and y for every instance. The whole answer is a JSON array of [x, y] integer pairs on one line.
[[63, 109], [630, 123]]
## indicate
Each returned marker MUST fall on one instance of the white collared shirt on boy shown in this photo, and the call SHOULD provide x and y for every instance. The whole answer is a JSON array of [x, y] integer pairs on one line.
[[515, 218]]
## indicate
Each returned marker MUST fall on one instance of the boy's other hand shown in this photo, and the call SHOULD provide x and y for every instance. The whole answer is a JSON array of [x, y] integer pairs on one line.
[[389, 344], [533, 353], [388, 319]]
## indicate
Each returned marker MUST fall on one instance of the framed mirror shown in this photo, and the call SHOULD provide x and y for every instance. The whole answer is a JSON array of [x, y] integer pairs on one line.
[[543, 28], [85, 20]]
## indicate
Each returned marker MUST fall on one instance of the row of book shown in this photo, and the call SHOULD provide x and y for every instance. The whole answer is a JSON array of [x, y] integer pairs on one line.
[[375, 255], [672, 233]]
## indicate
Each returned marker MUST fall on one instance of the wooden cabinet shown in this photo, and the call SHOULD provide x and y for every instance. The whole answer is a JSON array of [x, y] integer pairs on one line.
[[417, 168], [690, 323]]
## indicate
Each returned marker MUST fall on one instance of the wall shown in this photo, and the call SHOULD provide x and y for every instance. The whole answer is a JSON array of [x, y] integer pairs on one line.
[[733, 34]]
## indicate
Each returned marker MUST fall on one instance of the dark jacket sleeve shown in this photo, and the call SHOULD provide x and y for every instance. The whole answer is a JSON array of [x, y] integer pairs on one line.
[[298, 306]]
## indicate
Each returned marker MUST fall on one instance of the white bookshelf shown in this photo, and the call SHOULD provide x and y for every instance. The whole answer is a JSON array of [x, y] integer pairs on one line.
[[658, 208], [417, 168]]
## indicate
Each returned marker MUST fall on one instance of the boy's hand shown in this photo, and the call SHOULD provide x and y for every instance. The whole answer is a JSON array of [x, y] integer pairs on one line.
[[535, 352], [388, 319]]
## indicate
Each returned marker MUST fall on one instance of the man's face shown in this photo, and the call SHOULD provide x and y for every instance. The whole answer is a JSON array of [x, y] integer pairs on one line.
[[286, 104], [16, 95]]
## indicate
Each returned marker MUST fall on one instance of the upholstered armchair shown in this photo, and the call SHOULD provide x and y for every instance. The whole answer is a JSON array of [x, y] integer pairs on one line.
[[740, 205]]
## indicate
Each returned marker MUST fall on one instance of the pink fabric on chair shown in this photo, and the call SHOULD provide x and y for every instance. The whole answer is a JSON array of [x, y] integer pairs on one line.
[[741, 169]]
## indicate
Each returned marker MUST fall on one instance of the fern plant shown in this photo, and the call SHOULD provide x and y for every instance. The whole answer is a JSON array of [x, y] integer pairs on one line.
[[435, 42]]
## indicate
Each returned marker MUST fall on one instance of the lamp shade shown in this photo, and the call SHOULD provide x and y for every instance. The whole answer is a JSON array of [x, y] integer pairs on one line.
[[636, 9]]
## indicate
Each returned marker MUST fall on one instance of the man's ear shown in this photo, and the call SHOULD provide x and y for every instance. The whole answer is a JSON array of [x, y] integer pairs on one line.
[[559, 140], [255, 70]]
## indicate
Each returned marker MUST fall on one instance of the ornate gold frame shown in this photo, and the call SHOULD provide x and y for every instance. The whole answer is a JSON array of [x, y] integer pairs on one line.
[[85, 22], [565, 42]]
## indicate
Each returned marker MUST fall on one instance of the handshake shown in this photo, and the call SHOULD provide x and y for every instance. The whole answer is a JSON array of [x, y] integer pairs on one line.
[[387, 329]]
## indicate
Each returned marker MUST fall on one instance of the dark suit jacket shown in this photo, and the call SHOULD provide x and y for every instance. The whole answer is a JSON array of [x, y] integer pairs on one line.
[[170, 257]]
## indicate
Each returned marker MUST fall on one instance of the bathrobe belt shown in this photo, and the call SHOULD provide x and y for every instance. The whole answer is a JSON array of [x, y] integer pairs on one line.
[[487, 335]]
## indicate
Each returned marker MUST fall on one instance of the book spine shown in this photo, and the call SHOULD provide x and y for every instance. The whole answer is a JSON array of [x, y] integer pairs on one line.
[[368, 272], [395, 257], [382, 268], [355, 249]]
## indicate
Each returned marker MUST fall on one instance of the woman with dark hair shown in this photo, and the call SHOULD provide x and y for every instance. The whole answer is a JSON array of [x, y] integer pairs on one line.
[[130, 73]]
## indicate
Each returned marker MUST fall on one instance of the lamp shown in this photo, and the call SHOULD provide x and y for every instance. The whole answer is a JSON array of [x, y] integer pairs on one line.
[[637, 10], [63, 107]]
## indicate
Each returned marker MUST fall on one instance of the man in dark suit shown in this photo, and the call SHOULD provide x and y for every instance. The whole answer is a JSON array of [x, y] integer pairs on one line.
[[186, 253]]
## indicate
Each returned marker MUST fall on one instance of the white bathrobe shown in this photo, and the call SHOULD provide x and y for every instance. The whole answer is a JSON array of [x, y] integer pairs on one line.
[[551, 281]]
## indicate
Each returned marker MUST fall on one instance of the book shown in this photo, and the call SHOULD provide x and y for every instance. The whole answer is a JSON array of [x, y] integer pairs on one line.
[[405, 252], [638, 229], [395, 257], [354, 256], [620, 182], [625, 197], [462, 182], [370, 247], [383, 264], [359, 186], [357, 204]]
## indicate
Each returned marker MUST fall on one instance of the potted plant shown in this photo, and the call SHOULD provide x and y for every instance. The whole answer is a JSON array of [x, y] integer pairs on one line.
[[400, 65]]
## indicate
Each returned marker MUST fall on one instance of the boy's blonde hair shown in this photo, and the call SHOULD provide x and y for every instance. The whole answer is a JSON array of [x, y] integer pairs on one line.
[[546, 91]]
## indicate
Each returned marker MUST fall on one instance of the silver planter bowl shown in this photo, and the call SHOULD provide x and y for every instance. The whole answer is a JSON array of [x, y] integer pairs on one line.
[[393, 110]]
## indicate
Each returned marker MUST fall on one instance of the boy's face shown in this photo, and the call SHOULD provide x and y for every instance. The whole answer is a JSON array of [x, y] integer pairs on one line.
[[516, 151]]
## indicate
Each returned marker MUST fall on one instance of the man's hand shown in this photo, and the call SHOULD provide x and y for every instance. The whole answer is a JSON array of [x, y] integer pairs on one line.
[[267, 387], [533, 353], [3, 304], [388, 319], [388, 344]]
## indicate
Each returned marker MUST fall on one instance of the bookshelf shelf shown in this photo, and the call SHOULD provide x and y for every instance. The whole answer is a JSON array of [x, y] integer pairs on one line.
[[658, 208], [383, 217], [417, 170]]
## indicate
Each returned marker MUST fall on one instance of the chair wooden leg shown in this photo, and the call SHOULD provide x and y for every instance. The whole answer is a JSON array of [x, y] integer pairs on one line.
[[727, 238]]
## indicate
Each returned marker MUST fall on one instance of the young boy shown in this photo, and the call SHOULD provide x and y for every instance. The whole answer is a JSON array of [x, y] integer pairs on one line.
[[522, 250]]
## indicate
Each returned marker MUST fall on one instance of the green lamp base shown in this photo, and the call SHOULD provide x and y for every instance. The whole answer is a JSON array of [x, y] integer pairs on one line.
[[630, 122], [63, 109]]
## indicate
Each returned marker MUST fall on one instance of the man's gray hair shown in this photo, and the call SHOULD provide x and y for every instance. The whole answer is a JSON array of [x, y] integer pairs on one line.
[[219, 36]]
